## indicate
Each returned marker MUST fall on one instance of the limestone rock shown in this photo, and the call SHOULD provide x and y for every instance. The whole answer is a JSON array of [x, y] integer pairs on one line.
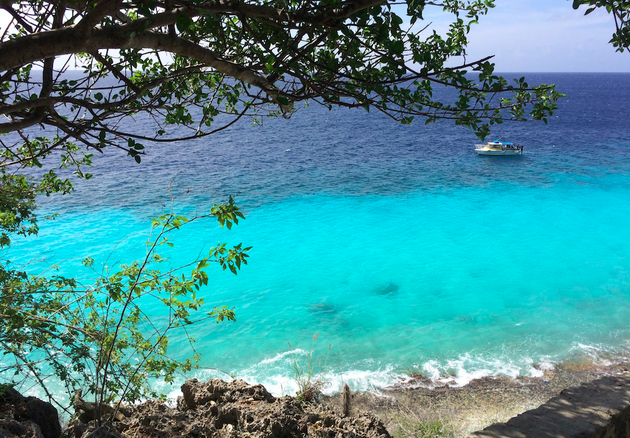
[[23, 429], [27, 416], [233, 409], [198, 393]]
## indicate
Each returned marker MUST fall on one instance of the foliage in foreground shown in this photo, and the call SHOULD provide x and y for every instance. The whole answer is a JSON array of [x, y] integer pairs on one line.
[[99, 337], [620, 10], [309, 376]]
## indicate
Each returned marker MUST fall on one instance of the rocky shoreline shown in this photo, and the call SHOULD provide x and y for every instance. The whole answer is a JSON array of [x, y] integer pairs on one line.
[[409, 409], [206, 409], [232, 409]]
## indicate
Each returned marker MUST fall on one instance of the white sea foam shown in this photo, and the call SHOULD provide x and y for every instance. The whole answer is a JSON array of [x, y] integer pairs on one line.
[[539, 368], [358, 380], [456, 372], [598, 354], [591, 350], [280, 357], [276, 374], [361, 380], [467, 367], [279, 375], [278, 385]]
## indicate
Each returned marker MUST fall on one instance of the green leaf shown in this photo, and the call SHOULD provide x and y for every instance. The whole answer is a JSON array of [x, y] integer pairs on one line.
[[183, 22]]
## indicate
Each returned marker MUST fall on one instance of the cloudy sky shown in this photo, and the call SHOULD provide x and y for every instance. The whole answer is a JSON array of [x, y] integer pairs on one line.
[[546, 36]]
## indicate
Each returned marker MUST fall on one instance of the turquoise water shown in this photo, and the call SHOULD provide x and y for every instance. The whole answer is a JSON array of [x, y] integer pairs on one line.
[[401, 248]]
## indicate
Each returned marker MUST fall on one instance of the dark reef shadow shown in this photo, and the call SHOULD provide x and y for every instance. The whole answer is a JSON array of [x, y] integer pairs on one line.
[[388, 289]]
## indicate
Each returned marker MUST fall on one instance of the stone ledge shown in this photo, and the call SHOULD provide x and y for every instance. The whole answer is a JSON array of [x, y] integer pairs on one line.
[[583, 411]]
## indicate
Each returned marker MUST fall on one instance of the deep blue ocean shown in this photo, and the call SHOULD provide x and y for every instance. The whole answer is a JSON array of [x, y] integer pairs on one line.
[[402, 248]]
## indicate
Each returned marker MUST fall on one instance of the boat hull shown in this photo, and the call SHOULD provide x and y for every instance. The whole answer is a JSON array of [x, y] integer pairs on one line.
[[497, 152]]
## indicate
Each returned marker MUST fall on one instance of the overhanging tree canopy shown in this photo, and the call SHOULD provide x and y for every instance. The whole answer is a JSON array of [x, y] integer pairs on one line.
[[240, 57], [620, 10]]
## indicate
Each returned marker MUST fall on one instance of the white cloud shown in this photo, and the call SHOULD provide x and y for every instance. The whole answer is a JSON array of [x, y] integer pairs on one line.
[[547, 36]]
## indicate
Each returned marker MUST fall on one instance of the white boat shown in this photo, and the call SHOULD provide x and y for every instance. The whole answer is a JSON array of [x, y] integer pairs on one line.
[[498, 148]]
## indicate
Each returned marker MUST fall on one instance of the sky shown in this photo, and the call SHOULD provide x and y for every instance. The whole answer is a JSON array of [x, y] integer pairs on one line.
[[546, 36], [536, 36]]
